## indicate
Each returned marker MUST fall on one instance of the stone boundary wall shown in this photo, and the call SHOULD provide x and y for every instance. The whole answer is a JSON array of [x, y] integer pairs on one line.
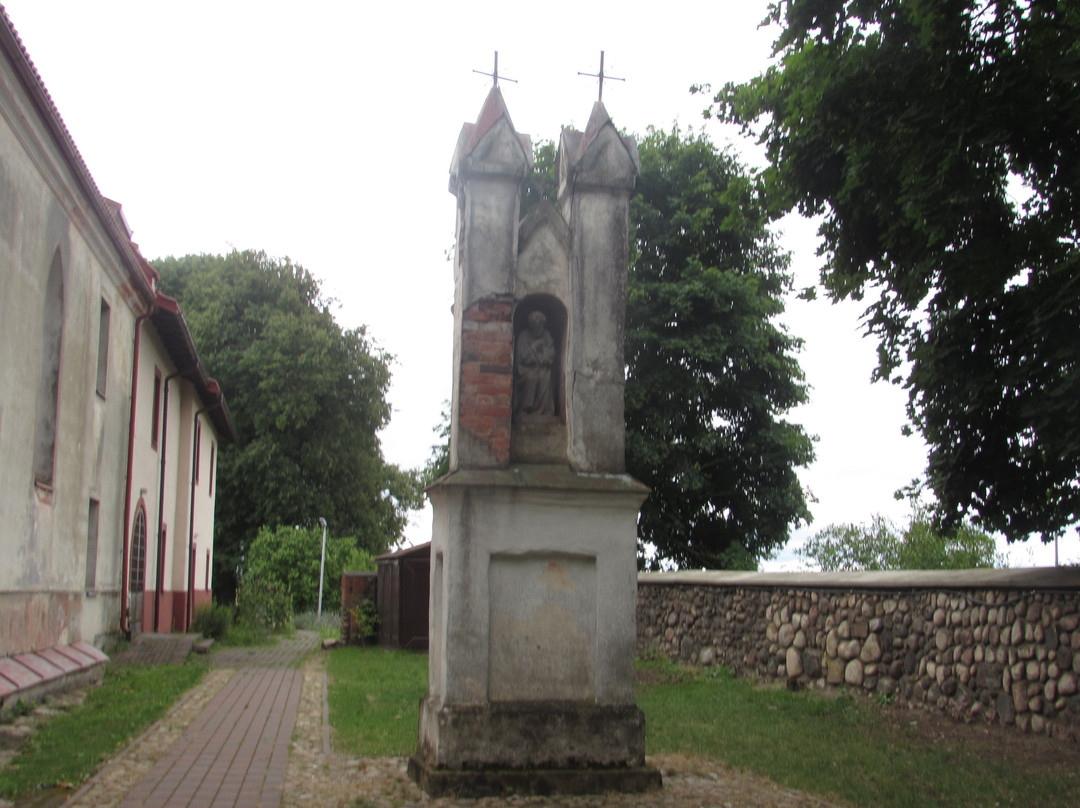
[[995, 645]]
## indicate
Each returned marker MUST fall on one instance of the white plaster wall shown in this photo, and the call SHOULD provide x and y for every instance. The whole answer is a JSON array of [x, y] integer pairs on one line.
[[205, 496], [146, 460], [475, 523], [43, 534]]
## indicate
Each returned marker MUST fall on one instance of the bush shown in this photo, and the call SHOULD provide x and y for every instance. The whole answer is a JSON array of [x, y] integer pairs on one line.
[[363, 623], [263, 602], [291, 556], [213, 620]]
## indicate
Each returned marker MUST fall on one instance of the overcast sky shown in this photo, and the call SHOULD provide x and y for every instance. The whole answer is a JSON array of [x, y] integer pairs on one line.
[[323, 131]]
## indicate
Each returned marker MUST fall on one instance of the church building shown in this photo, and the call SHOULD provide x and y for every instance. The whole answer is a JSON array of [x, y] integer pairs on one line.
[[109, 424]]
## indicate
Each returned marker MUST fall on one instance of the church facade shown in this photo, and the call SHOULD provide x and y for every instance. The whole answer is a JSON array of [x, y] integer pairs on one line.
[[109, 424]]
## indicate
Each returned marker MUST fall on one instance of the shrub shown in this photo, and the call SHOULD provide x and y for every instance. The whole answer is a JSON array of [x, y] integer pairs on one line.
[[213, 620], [263, 602], [291, 556], [363, 622]]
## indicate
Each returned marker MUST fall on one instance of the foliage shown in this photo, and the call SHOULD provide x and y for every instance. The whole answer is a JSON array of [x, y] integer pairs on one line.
[[363, 622], [710, 370], [938, 142], [291, 557], [263, 603], [71, 745], [880, 546], [373, 699], [358, 559], [438, 464], [307, 398], [213, 620]]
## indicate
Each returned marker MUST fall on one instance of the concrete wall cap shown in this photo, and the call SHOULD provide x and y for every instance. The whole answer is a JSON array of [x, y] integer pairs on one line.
[[1028, 578]]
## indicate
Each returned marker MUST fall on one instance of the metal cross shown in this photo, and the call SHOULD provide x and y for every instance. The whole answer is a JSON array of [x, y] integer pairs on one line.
[[601, 76], [495, 73]]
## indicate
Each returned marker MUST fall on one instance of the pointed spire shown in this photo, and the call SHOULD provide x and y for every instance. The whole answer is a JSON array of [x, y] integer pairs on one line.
[[494, 108], [481, 147]]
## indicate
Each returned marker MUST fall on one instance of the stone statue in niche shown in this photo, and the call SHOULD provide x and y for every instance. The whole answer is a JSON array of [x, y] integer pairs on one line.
[[534, 358]]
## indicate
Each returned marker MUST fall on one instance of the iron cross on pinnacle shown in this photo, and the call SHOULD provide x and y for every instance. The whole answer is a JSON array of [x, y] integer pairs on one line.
[[601, 76], [495, 73]]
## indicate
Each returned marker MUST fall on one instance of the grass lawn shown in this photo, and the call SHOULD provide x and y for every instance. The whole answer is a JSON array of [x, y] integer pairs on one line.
[[71, 745], [374, 699], [832, 745], [838, 746]]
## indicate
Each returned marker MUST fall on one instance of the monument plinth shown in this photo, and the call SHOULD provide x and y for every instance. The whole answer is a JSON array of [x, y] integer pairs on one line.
[[533, 569]]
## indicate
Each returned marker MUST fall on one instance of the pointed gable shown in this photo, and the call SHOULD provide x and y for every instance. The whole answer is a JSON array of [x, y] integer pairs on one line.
[[543, 264], [491, 145], [597, 157]]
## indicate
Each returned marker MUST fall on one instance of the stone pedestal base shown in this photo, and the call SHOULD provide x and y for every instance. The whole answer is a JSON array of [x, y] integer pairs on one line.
[[531, 748], [538, 782]]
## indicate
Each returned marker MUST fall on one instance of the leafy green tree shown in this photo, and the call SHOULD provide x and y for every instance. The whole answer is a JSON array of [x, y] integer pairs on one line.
[[307, 399], [938, 142], [439, 462], [710, 371], [292, 557], [881, 546]]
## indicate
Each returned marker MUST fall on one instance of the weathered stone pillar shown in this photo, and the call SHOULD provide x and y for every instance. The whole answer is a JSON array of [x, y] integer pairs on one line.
[[533, 569], [489, 164]]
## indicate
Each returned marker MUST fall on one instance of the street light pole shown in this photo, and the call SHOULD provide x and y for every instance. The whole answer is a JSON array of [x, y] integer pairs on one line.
[[322, 563]]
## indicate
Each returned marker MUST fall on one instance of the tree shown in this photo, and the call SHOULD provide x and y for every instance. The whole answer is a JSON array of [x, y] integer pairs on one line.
[[880, 546], [307, 399], [938, 142], [710, 372]]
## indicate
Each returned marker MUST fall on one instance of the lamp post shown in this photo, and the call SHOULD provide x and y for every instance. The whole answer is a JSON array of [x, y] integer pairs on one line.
[[322, 563]]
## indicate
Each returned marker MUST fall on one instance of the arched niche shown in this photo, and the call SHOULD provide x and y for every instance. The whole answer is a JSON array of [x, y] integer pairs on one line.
[[538, 423], [52, 331]]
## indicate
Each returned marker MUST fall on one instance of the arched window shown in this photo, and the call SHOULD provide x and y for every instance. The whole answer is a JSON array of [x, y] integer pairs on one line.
[[137, 573], [52, 329], [137, 579]]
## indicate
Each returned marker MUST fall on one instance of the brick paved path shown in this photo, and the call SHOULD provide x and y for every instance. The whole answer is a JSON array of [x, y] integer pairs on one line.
[[235, 752]]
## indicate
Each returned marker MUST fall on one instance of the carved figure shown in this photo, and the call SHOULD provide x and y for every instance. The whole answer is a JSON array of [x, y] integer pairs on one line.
[[534, 356]]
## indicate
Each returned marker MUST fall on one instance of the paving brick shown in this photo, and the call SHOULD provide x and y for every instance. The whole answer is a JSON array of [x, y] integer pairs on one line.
[[234, 753]]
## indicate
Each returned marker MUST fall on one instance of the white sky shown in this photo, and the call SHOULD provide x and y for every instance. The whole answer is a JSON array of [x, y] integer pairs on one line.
[[323, 131]]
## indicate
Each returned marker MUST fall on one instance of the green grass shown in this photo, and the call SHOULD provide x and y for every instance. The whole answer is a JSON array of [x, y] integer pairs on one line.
[[70, 746], [834, 746], [374, 699]]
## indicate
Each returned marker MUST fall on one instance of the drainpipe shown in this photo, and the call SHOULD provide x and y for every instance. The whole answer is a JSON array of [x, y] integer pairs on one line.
[[125, 572], [322, 564], [188, 609], [161, 499]]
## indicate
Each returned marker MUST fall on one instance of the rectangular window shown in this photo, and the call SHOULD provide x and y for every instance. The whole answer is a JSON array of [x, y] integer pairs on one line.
[[92, 545], [213, 457], [103, 349], [198, 436], [206, 572], [155, 415]]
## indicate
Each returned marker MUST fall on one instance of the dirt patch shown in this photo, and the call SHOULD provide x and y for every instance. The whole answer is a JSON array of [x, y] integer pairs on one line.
[[993, 744], [664, 676]]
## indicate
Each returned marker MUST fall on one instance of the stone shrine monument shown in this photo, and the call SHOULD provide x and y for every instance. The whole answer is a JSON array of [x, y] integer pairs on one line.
[[533, 554]]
